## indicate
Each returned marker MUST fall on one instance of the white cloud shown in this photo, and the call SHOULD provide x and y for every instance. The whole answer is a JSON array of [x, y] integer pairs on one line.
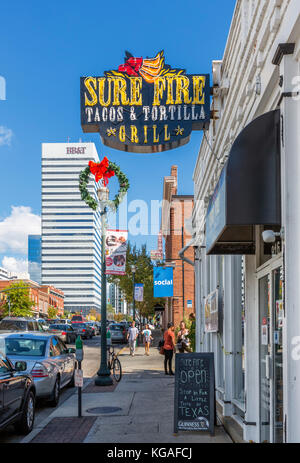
[[14, 229], [16, 266], [5, 135]]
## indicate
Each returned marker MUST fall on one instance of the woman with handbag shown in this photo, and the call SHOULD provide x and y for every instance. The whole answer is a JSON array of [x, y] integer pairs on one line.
[[182, 339]]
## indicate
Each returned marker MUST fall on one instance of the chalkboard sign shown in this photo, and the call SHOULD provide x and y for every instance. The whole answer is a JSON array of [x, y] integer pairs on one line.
[[194, 392]]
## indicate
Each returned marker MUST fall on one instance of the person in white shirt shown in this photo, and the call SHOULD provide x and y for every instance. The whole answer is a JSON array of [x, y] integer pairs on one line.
[[131, 338], [147, 336]]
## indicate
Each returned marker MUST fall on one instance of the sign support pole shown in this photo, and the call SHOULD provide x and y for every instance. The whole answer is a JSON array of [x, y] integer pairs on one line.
[[103, 377], [79, 396], [78, 377]]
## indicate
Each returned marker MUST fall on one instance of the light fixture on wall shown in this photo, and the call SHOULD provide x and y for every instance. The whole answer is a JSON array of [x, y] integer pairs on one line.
[[269, 236]]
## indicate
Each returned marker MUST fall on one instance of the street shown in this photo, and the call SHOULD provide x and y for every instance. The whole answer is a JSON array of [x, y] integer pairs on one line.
[[90, 366]]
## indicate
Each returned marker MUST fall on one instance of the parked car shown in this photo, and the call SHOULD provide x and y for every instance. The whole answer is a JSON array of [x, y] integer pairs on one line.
[[49, 361], [51, 321], [78, 318], [98, 324], [17, 396], [44, 324], [126, 325], [83, 330], [118, 333], [64, 331], [94, 327], [63, 321], [20, 324]]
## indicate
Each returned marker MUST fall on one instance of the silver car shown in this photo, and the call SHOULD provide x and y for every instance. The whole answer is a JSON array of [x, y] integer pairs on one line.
[[118, 333], [49, 361]]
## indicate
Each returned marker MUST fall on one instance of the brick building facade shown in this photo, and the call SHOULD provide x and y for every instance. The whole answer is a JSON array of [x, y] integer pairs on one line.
[[176, 210], [42, 297]]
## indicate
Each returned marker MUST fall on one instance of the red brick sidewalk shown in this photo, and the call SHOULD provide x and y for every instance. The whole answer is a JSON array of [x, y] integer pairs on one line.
[[65, 430]]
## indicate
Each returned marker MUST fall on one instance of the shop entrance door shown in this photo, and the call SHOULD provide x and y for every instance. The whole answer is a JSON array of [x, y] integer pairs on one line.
[[270, 292]]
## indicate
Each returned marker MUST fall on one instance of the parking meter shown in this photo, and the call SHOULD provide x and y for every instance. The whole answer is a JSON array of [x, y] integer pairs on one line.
[[79, 349]]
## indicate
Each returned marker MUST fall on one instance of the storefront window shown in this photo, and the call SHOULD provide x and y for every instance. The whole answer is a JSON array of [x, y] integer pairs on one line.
[[220, 274], [277, 355], [239, 343]]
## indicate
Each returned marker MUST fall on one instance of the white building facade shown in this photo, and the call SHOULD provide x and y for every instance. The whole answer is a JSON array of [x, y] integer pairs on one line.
[[246, 182], [116, 298], [71, 231], [6, 275]]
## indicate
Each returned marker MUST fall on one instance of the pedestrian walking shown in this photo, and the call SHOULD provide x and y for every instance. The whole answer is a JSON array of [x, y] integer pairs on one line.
[[132, 335], [169, 348], [183, 339], [147, 339]]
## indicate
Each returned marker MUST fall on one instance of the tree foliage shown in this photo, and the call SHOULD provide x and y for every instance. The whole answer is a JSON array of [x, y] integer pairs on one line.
[[119, 317], [52, 312], [144, 275], [18, 302]]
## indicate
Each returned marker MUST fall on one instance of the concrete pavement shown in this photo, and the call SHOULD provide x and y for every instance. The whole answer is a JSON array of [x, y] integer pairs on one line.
[[138, 410]]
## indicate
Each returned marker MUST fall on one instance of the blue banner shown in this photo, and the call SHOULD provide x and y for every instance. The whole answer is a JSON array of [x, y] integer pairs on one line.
[[163, 282]]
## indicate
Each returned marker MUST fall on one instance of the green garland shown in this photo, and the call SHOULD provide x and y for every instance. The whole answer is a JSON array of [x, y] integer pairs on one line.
[[84, 178]]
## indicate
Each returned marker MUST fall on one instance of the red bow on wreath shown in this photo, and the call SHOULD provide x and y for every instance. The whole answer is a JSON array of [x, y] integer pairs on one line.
[[101, 170]]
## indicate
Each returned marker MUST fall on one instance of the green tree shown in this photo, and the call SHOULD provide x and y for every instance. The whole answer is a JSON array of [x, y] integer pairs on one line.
[[66, 314], [144, 275], [18, 302], [110, 310], [52, 312], [118, 317]]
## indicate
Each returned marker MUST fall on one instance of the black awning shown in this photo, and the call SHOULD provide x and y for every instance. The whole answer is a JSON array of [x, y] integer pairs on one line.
[[248, 192]]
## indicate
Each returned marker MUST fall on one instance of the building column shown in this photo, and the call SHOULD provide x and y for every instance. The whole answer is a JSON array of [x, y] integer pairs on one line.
[[230, 290], [251, 426], [198, 295], [290, 174]]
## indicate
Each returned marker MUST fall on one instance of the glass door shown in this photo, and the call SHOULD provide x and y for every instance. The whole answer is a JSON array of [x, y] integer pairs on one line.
[[270, 354], [264, 358]]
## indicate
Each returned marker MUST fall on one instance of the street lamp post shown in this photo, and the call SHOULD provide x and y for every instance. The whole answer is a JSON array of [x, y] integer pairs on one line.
[[133, 269], [103, 377]]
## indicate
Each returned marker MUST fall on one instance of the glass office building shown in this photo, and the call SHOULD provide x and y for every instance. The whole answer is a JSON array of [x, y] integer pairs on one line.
[[35, 258], [71, 231]]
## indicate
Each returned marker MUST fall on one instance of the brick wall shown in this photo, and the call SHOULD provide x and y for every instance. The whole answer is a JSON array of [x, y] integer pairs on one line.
[[178, 237]]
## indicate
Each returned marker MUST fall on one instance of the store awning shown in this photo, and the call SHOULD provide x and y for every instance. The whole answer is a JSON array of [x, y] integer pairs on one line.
[[248, 191]]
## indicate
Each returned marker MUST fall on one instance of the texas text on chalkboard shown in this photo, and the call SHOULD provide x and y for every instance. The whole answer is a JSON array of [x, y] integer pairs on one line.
[[194, 392]]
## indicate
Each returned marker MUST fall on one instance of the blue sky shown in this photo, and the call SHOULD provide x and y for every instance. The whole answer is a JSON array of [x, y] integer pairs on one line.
[[46, 47]]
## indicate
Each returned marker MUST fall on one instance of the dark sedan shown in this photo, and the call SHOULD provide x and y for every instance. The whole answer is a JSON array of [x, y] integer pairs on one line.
[[83, 330], [17, 396], [94, 327]]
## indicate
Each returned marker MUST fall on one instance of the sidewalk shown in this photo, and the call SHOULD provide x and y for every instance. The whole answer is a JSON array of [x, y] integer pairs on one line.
[[140, 410]]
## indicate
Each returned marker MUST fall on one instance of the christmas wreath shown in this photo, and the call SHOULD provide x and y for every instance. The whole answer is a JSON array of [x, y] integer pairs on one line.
[[103, 171]]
